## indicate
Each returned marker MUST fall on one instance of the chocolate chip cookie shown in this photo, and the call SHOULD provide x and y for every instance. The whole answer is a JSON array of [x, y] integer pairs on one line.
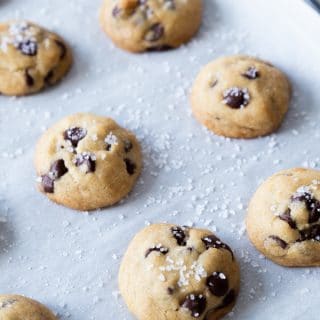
[[87, 162], [15, 307], [171, 272], [283, 220], [143, 25], [30, 58], [240, 97]]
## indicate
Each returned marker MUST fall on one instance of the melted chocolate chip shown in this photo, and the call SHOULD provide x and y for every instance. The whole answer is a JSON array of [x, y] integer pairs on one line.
[[218, 284], [127, 146], [170, 291], [179, 234], [86, 159], [312, 233], [211, 241], [28, 47], [47, 184], [312, 205], [130, 166], [116, 11], [286, 216], [62, 47], [314, 214], [7, 303], [236, 98], [155, 32], [279, 241], [213, 83], [74, 135], [228, 299], [58, 169], [29, 79], [252, 73], [162, 250], [195, 303]]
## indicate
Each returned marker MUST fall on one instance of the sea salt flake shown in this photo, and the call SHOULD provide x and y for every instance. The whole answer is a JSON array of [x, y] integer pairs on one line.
[[111, 139]]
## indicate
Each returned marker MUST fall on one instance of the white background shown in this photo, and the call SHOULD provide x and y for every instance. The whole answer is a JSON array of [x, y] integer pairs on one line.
[[69, 260]]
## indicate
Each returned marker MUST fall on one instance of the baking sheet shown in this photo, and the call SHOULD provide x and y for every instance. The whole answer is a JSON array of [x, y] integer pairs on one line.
[[69, 260]]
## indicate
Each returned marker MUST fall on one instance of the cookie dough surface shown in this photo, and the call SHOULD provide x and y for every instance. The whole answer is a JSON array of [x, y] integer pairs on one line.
[[15, 307], [240, 97], [178, 273], [30, 58], [142, 25], [283, 220], [87, 162]]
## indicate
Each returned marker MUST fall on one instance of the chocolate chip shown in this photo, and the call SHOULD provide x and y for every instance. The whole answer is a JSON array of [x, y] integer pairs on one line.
[[279, 241], [158, 248], [75, 134], [130, 166], [314, 214], [311, 233], [228, 299], [47, 184], [286, 216], [170, 291], [304, 197], [110, 140], [154, 33], [48, 77], [312, 205], [218, 284], [29, 79], [28, 47], [195, 303], [58, 169], [128, 146], [213, 83], [236, 97], [86, 159], [116, 11], [62, 47], [179, 234], [252, 73], [7, 303], [211, 241]]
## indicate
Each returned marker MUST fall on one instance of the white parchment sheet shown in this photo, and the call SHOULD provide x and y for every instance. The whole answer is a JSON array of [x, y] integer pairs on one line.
[[69, 260]]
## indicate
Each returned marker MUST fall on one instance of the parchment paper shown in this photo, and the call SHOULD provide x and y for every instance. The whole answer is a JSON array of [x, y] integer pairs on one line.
[[69, 260]]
